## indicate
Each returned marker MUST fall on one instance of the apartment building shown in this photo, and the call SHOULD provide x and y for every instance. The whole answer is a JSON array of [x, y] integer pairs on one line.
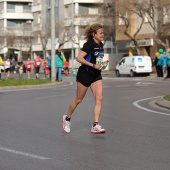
[[78, 14], [72, 16], [16, 25], [41, 26], [145, 37], [26, 24]]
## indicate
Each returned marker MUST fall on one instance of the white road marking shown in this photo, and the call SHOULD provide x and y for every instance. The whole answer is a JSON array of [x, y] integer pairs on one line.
[[144, 83], [50, 96], [148, 110], [23, 153], [123, 86]]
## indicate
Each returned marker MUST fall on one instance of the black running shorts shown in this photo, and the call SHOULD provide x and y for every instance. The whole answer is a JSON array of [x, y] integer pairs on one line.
[[86, 78], [37, 69]]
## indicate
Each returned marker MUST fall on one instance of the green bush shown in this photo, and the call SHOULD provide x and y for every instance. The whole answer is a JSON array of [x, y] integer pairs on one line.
[[167, 97]]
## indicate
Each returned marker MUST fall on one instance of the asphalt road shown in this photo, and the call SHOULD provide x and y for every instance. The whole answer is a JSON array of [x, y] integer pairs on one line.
[[137, 138]]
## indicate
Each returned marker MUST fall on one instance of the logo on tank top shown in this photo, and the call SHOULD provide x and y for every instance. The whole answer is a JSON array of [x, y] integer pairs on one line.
[[99, 53]]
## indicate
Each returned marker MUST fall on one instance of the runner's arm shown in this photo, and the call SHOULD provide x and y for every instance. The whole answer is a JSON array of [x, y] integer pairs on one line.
[[80, 59]]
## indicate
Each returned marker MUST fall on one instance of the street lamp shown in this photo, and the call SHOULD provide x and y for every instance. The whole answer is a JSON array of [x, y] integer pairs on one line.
[[72, 50], [53, 40]]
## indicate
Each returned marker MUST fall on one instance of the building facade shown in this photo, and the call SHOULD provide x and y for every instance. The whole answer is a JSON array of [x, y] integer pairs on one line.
[[145, 36], [26, 25], [16, 26]]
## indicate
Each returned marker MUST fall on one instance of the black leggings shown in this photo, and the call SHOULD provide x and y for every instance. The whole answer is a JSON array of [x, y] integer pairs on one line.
[[168, 72]]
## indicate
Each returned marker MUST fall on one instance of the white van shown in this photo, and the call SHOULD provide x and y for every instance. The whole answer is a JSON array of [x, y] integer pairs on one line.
[[132, 65]]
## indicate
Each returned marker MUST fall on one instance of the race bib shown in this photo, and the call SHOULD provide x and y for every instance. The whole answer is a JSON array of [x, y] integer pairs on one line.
[[99, 60], [38, 63], [28, 66]]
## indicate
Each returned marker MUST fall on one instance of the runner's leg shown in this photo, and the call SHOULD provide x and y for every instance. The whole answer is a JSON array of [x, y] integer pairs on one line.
[[81, 91]]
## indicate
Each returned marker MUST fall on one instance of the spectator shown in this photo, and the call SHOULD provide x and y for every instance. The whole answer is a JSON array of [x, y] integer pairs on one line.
[[7, 67], [12, 66], [28, 66], [49, 62], [20, 66], [58, 64], [158, 65], [168, 64], [66, 70], [46, 68], [1, 64], [37, 65]]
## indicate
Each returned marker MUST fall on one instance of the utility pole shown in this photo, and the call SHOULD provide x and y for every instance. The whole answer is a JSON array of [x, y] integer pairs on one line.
[[72, 50], [53, 41]]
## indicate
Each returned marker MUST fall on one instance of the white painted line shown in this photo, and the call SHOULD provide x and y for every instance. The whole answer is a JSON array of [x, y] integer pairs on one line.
[[144, 83], [123, 86], [23, 153], [50, 96], [141, 85], [148, 110]]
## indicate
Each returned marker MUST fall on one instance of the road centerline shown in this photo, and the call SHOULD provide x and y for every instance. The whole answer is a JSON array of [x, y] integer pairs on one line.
[[23, 153]]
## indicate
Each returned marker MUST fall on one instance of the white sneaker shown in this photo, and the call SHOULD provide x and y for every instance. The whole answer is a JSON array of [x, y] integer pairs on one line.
[[97, 129], [66, 124]]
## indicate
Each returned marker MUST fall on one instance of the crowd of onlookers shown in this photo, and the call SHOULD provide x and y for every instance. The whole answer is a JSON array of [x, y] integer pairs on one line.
[[162, 63], [19, 67]]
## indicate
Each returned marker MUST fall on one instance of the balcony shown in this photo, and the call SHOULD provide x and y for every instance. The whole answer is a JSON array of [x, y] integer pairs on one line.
[[14, 11], [28, 16], [36, 8], [81, 20], [66, 2]]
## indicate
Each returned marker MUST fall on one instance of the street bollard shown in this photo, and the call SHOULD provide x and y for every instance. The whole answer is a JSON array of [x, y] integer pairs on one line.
[[74, 72]]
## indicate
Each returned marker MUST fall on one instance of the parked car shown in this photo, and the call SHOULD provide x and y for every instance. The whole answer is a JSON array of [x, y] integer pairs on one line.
[[133, 65]]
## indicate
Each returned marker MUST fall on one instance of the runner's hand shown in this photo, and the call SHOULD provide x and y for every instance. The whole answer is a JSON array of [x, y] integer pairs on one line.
[[98, 66]]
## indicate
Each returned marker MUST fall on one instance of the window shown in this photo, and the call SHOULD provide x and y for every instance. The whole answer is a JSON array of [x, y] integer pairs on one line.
[[166, 14], [146, 17], [93, 11], [39, 19], [122, 18], [122, 62]]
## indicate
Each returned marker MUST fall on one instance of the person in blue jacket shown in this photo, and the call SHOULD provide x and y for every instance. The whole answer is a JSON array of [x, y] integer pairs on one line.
[[168, 65], [58, 64], [163, 57], [159, 63]]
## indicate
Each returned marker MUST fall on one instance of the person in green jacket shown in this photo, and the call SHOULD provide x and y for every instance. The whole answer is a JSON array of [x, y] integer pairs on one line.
[[58, 64]]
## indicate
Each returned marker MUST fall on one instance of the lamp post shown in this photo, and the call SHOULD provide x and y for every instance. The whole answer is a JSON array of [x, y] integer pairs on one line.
[[72, 50], [53, 40]]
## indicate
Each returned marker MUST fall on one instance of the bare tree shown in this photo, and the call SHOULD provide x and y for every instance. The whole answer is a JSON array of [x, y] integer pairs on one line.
[[128, 12], [44, 36], [138, 11], [156, 12], [64, 35]]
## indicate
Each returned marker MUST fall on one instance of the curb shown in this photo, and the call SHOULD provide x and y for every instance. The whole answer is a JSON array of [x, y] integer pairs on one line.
[[38, 86], [163, 103]]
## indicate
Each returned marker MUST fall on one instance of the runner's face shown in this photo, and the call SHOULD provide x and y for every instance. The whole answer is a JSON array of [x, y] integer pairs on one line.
[[99, 35]]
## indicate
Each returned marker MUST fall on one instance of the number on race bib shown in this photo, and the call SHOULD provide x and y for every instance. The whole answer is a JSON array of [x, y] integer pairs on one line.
[[99, 60]]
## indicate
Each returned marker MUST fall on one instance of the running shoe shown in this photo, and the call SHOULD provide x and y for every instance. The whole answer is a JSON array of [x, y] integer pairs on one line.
[[66, 124], [97, 129]]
